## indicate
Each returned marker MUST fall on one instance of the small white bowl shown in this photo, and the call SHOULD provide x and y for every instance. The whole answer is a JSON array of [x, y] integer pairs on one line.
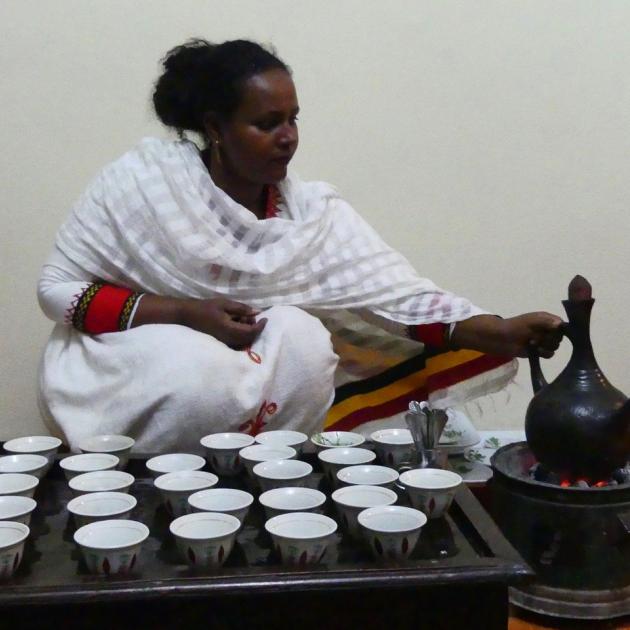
[[368, 475], [222, 451], [394, 447], [12, 537], [87, 462], [111, 547], [337, 439], [119, 445], [173, 462], [45, 445], [225, 500], [292, 499], [101, 481], [18, 484], [280, 473], [301, 538], [256, 453], [205, 539], [334, 459], [350, 500], [16, 508], [392, 531], [176, 487], [296, 439], [25, 463], [431, 490], [101, 506]]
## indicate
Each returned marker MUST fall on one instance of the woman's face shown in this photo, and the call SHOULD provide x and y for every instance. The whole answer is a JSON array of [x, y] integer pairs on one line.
[[259, 140]]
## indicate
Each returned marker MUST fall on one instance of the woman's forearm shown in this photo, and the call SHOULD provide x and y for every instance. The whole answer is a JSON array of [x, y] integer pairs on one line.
[[485, 333], [160, 309]]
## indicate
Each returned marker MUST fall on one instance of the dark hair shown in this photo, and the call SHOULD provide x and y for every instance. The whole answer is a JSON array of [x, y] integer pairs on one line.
[[201, 77]]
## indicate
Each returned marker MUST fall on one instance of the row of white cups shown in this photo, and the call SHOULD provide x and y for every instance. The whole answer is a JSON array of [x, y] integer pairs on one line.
[[208, 519]]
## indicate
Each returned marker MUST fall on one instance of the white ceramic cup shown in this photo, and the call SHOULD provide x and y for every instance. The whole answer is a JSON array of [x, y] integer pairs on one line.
[[101, 481], [368, 475], [17, 508], [176, 487], [119, 445], [392, 531], [25, 463], [225, 500], [350, 500], [295, 439], [111, 547], [87, 462], [222, 451], [205, 539], [292, 499], [101, 506], [280, 473], [301, 538], [12, 537], [431, 490], [173, 462], [45, 445], [256, 453], [394, 447], [337, 439], [18, 484], [333, 460]]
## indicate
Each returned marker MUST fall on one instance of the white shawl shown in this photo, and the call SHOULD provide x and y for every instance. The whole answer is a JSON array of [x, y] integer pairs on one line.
[[154, 221]]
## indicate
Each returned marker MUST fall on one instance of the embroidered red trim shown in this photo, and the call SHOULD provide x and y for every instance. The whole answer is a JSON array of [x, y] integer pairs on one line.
[[254, 426], [103, 308], [435, 335]]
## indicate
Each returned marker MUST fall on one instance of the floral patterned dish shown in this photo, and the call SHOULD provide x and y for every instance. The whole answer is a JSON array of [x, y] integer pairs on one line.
[[489, 443], [458, 434]]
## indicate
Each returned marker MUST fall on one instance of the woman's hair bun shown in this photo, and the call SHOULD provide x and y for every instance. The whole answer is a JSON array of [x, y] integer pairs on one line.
[[200, 77], [175, 91]]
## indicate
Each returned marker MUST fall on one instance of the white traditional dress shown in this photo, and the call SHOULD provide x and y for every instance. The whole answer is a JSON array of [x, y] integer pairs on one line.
[[153, 221]]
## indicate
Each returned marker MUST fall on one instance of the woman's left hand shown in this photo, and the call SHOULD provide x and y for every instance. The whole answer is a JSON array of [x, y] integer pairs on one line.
[[513, 336]]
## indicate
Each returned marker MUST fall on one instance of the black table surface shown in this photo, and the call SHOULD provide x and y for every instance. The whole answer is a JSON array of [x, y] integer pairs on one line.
[[463, 548]]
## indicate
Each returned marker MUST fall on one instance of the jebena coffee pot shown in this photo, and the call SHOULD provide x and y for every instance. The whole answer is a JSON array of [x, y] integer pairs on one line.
[[578, 425]]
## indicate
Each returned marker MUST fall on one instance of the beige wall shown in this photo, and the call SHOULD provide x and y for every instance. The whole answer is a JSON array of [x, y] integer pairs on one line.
[[489, 141]]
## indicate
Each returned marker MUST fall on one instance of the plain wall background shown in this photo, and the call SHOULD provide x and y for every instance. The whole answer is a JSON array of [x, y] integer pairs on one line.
[[487, 140]]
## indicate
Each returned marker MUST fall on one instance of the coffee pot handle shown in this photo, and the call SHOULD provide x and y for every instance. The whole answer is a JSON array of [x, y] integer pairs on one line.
[[538, 378]]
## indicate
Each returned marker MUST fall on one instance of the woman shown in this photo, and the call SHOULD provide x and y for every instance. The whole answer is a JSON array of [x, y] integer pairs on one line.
[[181, 280]]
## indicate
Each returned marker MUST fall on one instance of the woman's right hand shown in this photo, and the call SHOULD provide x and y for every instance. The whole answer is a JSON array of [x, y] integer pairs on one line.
[[231, 322]]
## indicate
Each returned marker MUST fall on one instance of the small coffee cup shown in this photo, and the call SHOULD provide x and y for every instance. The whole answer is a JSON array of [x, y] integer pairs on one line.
[[12, 537], [430, 490], [368, 475], [222, 451], [281, 473], [351, 500], [294, 439], [392, 531], [256, 453], [118, 445], [45, 445], [334, 459], [394, 447]]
